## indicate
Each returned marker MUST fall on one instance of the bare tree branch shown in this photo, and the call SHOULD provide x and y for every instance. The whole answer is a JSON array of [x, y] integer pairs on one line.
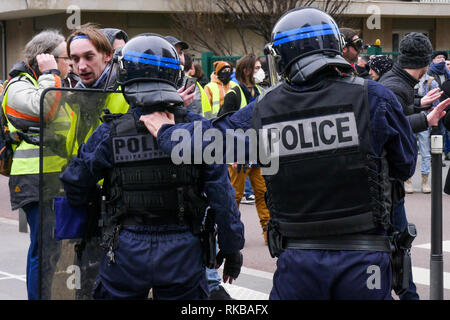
[[260, 16], [205, 22]]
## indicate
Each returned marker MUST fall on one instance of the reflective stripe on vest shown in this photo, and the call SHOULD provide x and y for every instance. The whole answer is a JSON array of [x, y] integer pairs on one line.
[[26, 156], [206, 106]]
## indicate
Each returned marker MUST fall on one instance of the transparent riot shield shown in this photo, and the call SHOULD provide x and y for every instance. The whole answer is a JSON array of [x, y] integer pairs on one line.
[[68, 262]]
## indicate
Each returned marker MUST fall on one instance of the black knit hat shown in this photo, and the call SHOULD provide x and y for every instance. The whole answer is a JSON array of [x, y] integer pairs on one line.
[[380, 64], [415, 51], [436, 53]]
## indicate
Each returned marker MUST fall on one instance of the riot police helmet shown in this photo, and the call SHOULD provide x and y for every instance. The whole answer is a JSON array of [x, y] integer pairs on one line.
[[305, 32], [149, 69]]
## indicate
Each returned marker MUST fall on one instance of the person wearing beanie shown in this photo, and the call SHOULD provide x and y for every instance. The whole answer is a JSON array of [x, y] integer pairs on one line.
[[379, 65], [219, 86], [415, 53]]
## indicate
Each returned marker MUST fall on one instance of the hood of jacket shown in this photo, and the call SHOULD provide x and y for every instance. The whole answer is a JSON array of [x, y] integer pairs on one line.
[[23, 67]]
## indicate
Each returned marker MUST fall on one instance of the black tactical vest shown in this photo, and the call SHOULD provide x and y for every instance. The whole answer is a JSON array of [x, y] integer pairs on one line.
[[144, 182], [327, 183]]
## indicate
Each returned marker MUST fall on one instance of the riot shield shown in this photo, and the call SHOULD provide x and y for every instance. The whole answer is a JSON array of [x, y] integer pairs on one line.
[[68, 263]]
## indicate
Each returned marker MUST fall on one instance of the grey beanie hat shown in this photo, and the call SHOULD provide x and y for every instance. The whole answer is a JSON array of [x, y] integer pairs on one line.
[[415, 51]]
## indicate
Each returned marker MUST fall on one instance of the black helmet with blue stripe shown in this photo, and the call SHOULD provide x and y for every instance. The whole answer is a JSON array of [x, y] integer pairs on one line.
[[304, 32], [149, 69], [148, 57]]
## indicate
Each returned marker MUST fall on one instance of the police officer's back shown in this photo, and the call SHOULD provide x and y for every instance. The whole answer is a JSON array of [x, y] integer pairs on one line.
[[338, 137], [157, 221]]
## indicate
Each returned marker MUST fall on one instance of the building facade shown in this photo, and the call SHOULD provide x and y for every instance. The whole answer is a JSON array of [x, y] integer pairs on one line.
[[386, 20]]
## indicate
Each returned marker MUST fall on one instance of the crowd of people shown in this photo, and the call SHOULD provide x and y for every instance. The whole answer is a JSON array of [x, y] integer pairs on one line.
[[308, 223]]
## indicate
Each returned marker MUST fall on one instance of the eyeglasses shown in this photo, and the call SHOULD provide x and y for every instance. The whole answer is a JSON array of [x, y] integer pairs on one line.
[[357, 44]]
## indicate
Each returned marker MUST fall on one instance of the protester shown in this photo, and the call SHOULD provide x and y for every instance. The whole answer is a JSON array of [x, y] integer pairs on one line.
[[117, 37], [352, 47], [378, 66], [362, 68], [439, 71], [199, 98], [248, 72], [45, 66], [426, 83], [218, 87], [200, 75]]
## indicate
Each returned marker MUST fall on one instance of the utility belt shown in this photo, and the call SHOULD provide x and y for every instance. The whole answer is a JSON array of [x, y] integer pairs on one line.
[[398, 245], [364, 242]]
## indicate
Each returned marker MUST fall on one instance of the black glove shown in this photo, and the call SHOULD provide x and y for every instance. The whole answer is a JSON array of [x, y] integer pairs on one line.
[[233, 263]]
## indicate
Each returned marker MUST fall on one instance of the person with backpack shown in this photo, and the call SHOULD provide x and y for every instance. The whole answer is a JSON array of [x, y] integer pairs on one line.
[[46, 64]]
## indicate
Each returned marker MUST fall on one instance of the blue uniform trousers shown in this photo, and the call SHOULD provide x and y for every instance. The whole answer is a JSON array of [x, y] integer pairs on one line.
[[167, 260], [400, 223], [332, 275]]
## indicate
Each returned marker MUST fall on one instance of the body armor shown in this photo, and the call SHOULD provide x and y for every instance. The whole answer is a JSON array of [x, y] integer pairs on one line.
[[144, 182], [328, 183]]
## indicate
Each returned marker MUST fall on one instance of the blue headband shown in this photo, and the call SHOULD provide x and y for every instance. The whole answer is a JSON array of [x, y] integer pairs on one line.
[[83, 36]]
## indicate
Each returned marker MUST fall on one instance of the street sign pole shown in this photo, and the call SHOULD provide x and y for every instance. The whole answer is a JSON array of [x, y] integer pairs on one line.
[[436, 257]]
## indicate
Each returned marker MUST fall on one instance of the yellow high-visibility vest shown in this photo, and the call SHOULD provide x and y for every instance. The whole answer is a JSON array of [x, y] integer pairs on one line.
[[26, 156], [215, 97]]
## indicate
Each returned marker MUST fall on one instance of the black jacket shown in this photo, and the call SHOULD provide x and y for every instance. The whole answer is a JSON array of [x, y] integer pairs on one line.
[[401, 83]]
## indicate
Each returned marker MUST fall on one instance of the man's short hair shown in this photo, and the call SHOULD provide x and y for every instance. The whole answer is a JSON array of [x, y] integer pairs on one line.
[[45, 41], [348, 34], [93, 33]]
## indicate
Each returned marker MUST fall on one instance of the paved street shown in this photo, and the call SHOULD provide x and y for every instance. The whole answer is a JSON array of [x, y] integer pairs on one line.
[[255, 281]]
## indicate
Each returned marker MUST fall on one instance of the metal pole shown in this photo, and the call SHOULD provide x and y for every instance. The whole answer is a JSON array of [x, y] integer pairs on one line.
[[436, 258]]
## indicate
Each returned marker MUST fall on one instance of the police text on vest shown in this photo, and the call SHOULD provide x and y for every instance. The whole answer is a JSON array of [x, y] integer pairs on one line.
[[315, 134]]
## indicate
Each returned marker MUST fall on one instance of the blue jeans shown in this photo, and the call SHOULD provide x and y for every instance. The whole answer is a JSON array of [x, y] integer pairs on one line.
[[213, 278], [32, 212], [425, 150], [446, 141], [248, 187], [445, 137]]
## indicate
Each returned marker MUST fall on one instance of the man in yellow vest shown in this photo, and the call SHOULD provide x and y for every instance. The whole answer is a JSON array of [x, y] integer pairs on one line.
[[46, 64], [218, 87]]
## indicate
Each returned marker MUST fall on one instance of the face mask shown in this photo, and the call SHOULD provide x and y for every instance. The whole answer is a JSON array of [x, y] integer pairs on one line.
[[259, 76], [224, 77]]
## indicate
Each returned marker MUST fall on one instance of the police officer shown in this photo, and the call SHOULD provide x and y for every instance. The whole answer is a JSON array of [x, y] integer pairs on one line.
[[155, 211], [339, 136]]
